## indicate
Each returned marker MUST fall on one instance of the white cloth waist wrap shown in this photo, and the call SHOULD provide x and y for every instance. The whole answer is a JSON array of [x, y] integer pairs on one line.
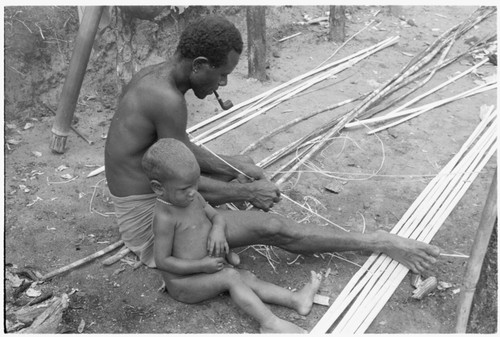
[[134, 214]]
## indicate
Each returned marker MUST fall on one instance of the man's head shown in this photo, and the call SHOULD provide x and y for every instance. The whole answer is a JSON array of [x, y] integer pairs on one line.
[[213, 46], [212, 37], [172, 170]]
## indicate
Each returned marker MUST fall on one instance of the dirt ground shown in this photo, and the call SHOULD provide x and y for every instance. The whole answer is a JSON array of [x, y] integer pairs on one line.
[[54, 215]]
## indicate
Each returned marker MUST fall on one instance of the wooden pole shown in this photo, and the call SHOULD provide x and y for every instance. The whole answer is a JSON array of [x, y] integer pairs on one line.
[[83, 261], [256, 26], [74, 77], [473, 269]]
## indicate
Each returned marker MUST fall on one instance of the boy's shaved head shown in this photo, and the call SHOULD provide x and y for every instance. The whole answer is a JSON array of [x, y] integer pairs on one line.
[[168, 158]]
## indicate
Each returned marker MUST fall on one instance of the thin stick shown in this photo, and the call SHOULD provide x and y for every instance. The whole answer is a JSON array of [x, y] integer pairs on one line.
[[289, 37], [343, 44], [83, 261]]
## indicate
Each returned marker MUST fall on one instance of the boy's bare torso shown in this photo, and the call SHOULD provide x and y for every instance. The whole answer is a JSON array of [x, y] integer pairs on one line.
[[191, 231]]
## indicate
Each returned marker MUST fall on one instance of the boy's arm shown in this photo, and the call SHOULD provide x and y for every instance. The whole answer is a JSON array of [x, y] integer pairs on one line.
[[164, 230], [216, 243]]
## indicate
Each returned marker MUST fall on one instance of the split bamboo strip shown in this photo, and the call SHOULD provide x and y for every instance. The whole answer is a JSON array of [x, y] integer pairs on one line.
[[330, 317], [418, 98], [471, 92], [471, 161], [213, 133], [284, 85]]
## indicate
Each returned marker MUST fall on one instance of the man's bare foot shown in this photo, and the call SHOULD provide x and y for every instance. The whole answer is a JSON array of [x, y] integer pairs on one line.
[[233, 258], [303, 299], [416, 255], [278, 325]]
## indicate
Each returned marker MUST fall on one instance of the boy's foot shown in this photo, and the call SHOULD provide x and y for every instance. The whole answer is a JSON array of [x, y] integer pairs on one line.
[[304, 297], [278, 325], [233, 258]]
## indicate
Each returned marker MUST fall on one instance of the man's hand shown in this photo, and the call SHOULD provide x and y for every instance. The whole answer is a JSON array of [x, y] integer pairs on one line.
[[216, 243], [264, 194], [212, 264]]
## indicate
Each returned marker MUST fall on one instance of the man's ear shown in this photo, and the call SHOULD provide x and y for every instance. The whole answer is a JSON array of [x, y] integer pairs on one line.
[[157, 187], [199, 62]]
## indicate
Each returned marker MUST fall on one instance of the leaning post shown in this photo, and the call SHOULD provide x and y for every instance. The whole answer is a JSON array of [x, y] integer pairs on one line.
[[74, 77]]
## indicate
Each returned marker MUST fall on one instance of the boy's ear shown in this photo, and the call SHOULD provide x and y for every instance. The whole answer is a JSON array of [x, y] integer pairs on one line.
[[199, 62], [157, 187]]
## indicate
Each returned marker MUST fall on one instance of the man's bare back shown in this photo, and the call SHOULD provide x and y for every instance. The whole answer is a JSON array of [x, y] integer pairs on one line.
[[135, 127]]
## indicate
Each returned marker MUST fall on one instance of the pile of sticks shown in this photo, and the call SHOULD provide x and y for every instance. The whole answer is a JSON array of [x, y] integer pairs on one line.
[[372, 286]]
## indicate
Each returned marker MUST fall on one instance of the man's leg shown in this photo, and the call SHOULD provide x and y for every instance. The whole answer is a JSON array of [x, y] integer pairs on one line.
[[255, 227]]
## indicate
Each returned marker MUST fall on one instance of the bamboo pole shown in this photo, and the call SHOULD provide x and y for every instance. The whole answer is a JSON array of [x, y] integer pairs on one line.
[[74, 78], [468, 93]]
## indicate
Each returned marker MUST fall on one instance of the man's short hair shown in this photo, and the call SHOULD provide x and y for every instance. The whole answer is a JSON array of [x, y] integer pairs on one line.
[[212, 37], [167, 159]]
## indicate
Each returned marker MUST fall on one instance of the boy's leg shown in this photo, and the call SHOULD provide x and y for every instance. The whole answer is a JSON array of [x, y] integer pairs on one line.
[[255, 227], [301, 300], [199, 287]]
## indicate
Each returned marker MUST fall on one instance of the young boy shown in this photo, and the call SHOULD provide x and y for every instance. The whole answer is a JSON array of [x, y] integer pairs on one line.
[[190, 242]]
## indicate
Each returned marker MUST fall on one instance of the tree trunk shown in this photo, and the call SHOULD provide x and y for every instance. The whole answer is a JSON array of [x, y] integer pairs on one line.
[[256, 26], [337, 24]]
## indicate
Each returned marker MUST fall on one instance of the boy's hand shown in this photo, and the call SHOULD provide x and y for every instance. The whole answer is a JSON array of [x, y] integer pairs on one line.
[[212, 264], [216, 242]]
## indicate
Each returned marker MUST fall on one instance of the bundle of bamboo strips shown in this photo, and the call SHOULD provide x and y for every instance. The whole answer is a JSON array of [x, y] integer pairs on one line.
[[266, 104], [418, 98], [371, 287]]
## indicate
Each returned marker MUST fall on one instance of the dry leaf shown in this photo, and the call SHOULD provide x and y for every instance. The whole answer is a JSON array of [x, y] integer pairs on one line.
[[28, 126], [33, 292]]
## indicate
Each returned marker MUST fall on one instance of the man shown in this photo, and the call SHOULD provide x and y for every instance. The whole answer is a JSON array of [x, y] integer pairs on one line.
[[153, 106]]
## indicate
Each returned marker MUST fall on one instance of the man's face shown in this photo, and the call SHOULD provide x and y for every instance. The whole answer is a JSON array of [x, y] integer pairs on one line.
[[208, 79]]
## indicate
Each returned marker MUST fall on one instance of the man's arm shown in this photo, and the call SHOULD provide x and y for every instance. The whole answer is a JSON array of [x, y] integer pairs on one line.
[[170, 122]]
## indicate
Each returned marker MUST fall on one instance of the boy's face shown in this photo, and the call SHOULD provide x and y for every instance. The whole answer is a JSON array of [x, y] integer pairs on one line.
[[181, 191]]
